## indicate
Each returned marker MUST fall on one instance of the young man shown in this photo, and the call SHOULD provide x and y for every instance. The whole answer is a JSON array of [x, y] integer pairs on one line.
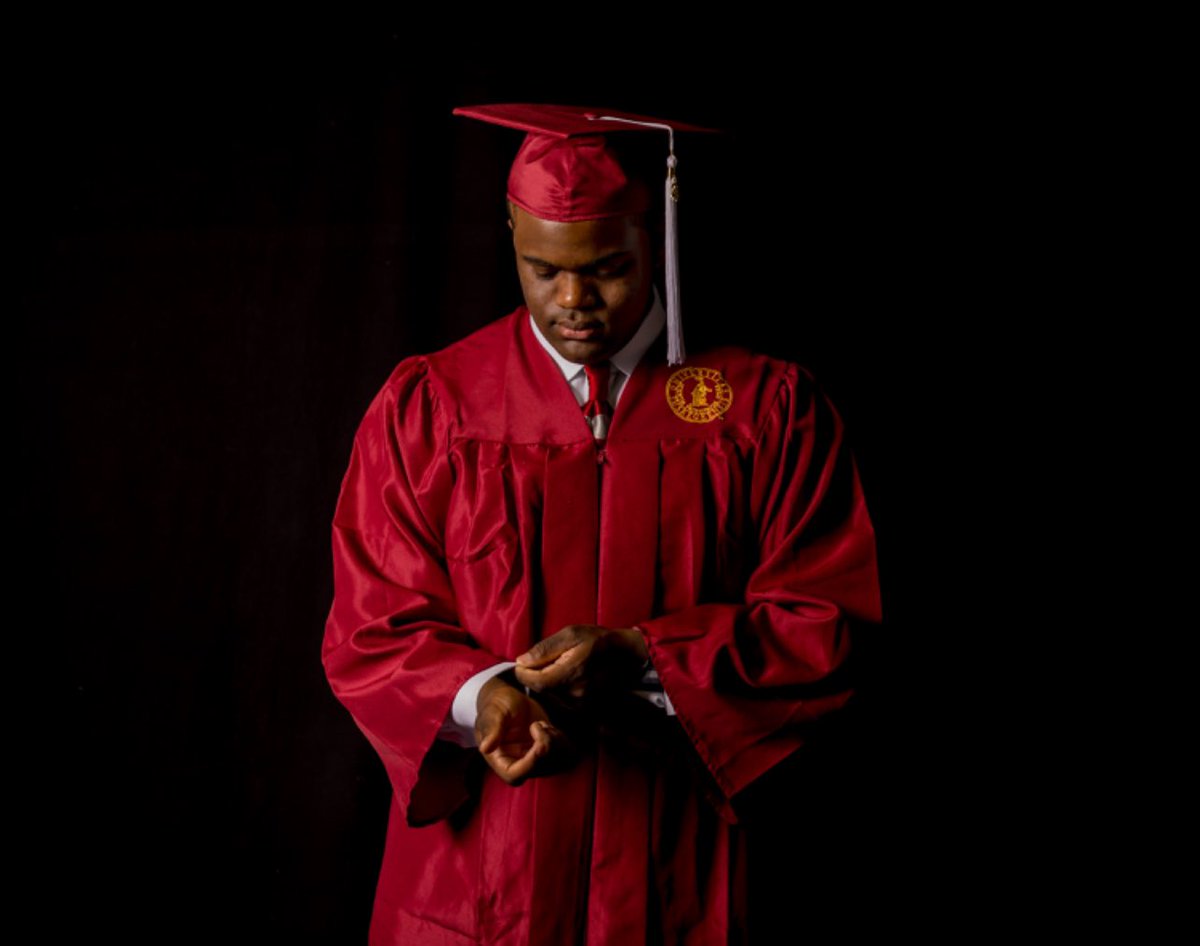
[[585, 597]]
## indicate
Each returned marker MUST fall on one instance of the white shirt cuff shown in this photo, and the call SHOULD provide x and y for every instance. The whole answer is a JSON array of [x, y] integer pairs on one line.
[[459, 726]]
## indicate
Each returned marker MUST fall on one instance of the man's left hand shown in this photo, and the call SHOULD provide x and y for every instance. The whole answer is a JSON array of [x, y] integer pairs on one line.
[[583, 659]]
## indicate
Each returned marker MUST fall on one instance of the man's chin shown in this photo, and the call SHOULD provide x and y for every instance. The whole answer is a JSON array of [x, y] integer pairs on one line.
[[590, 352]]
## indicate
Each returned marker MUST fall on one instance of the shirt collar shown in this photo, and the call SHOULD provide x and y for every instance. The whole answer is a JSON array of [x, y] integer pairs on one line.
[[628, 357]]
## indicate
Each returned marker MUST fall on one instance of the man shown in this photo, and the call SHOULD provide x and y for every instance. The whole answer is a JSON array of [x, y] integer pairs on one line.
[[586, 597]]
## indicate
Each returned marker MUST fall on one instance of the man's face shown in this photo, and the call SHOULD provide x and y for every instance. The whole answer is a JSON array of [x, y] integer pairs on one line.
[[587, 284]]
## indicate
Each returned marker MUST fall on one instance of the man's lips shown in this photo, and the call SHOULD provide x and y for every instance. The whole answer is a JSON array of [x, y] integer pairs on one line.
[[581, 332]]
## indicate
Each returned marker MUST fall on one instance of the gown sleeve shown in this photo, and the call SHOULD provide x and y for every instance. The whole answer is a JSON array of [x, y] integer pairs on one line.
[[747, 679], [394, 651]]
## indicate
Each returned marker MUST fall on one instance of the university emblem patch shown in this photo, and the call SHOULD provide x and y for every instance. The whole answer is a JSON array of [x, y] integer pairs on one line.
[[699, 395]]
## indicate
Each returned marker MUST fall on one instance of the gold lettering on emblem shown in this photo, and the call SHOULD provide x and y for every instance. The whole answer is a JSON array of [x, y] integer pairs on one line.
[[699, 395]]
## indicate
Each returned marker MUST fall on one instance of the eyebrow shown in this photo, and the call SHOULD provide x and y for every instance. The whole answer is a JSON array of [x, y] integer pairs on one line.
[[594, 264]]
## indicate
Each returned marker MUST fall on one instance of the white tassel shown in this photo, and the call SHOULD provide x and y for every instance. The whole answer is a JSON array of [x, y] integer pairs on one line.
[[675, 351]]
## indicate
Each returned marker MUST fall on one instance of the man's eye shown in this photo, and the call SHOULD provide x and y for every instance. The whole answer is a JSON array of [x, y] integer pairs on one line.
[[544, 273], [613, 271]]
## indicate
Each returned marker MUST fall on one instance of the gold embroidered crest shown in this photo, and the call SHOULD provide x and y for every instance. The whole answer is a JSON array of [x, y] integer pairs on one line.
[[699, 395]]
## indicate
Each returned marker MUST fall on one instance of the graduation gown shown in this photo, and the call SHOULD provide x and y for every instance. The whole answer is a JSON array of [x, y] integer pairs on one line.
[[478, 515]]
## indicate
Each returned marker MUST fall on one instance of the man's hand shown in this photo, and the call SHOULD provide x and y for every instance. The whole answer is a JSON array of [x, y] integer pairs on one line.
[[582, 660], [514, 734]]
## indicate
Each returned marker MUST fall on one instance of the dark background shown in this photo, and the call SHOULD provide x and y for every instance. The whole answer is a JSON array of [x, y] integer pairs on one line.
[[227, 239]]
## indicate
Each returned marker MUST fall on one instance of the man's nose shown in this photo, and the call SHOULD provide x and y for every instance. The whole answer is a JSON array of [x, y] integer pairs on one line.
[[574, 291]]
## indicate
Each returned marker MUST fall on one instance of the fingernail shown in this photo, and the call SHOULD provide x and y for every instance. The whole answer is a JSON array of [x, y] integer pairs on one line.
[[523, 659]]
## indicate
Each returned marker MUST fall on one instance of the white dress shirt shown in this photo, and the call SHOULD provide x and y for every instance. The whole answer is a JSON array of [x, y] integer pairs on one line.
[[459, 726], [623, 362]]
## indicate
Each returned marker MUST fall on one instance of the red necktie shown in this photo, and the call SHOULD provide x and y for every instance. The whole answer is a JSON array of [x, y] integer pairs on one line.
[[597, 410]]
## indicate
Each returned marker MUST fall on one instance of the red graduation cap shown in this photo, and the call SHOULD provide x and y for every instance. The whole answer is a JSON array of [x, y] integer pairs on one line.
[[566, 171]]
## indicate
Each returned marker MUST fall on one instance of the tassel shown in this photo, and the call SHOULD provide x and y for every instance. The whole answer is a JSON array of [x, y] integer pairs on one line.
[[675, 351]]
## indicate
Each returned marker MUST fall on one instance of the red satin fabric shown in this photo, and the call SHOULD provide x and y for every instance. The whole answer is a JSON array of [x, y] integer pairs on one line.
[[597, 409], [478, 515], [568, 179]]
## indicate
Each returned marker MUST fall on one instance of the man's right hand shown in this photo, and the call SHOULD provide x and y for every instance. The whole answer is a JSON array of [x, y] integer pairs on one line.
[[514, 734]]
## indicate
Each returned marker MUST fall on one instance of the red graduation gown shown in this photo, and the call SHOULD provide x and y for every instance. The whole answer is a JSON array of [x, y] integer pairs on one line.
[[478, 516]]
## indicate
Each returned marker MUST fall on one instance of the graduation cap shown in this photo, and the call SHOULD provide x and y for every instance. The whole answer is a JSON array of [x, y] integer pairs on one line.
[[566, 171]]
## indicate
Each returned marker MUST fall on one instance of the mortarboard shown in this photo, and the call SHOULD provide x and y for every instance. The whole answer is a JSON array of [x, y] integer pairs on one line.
[[567, 171]]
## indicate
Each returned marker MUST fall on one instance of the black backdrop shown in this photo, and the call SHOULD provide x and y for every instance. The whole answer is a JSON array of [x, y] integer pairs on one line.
[[225, 245]]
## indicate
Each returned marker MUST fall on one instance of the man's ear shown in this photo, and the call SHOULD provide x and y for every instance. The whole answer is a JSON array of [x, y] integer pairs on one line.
[[511, 225]]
